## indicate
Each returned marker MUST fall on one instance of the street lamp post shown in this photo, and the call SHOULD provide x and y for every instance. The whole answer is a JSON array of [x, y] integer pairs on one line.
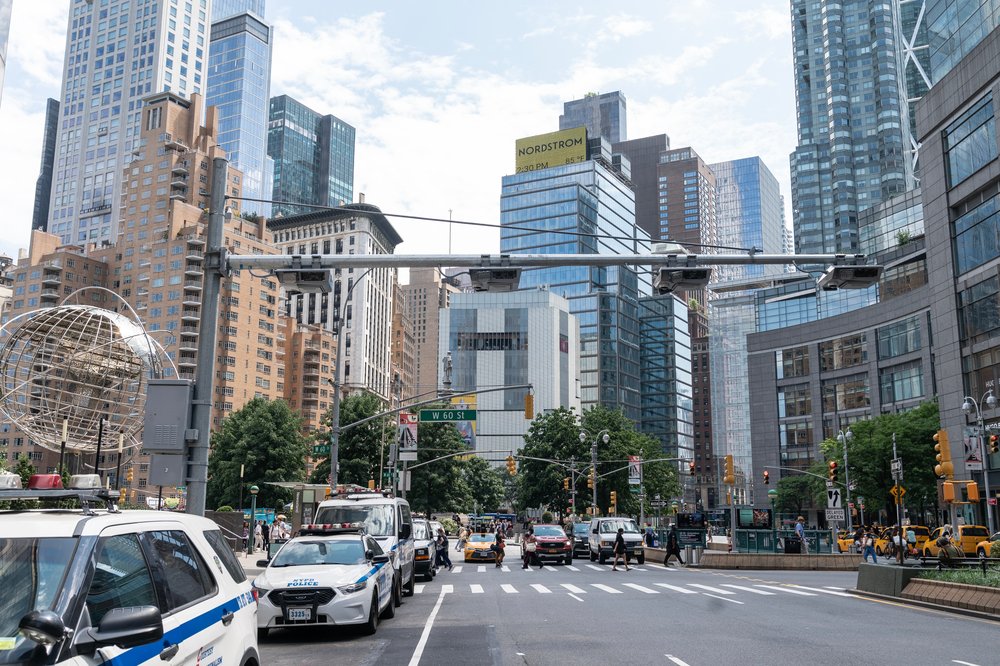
[[844, 438], [253, 519], [604, 437], [967, 406], [771, 495]]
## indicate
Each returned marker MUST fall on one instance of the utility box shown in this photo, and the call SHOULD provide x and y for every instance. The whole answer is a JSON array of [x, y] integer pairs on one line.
[[168, 415], [167, 470]]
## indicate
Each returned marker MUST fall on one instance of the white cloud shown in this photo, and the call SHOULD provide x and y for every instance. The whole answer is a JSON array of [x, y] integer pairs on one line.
[[622, 26]]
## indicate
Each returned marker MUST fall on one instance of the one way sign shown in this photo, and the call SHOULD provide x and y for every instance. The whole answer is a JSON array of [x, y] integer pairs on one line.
[[833, 499]]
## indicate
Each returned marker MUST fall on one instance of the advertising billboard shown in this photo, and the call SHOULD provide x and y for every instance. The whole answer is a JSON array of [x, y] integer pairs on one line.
[[548, 150]]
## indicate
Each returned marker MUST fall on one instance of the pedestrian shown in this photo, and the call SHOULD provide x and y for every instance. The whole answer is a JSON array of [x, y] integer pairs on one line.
[[258, 536], [529, 549], [800, 532], [619, 550], [266, 535], [911, 541], [673, 546], [246, 536], [463, 537], [650, 539], [859, 538], [499, 545], [868, 547], [441, 546]]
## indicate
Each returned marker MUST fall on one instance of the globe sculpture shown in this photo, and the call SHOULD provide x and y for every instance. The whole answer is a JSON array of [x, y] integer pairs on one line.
[[65, 368]]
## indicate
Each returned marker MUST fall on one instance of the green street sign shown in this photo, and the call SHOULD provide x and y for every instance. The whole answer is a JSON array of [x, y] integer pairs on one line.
[[321, 450], [442, 415]]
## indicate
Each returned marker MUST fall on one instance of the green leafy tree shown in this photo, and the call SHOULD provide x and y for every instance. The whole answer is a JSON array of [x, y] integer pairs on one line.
[[798, 492], [266, 437], [440, 485], [486, 484], [361, 447]]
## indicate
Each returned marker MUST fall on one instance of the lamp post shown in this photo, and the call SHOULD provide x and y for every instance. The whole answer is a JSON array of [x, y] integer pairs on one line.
[[967, 406], [771, 495], [604, 437], [844, 438], [253, 519]]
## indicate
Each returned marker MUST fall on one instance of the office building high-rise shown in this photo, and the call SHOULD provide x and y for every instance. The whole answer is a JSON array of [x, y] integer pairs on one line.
[[223, 9], [644, 159], [954, 27], [43, 185], [853, 128], [115, 56], [602, 115], [424, 298], [239, 86], [313, 157]]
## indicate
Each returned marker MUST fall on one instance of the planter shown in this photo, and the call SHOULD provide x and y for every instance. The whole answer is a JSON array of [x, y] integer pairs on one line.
[[957, 595]]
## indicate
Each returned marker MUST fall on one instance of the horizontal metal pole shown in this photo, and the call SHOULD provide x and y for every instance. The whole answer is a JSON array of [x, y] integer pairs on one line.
[[323, 261]]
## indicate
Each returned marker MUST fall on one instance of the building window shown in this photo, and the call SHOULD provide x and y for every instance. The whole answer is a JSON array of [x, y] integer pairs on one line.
[[902, 382], [842, 353], [899, 338], [794, 400], [845, 393], [971, 141], [793, 362], [976, 236]]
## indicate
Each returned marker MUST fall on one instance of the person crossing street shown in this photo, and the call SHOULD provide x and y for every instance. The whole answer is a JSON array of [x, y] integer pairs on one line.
[[619, 550], [441, 547]]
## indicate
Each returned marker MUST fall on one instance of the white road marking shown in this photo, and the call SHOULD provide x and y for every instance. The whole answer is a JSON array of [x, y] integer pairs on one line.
[[595, 567], [476, 589], [641, 588], [824, 591], [576, 597], [574, 589], [457, 569], [964, 663], [676, 660], [480, 569], [417, 589], [571, 567], [419, 650], [447, 589], [676, 588], [504, 567], [710, 588], [723, 598], [748, 589], [541, 589], [786, 589], [606, 588], [509, 589], [638, 569]]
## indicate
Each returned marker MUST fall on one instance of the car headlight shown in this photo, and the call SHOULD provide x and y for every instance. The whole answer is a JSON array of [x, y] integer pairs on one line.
[[353, 587], [607, 543]]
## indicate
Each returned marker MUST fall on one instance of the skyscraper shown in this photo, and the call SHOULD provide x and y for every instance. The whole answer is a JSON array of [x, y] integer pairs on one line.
[[954, 27], [424, 297], [43, 186], [853, 127], [602, 115], [239, 86], [116, 54], [223, 9], [313, 157]]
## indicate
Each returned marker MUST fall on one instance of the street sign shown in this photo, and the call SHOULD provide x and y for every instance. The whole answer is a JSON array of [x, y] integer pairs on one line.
[[835, 515], [829, 485], [992, 501], [445, 415], [896, 465], [634, 470], [833, 499], [897, 491], [658, 504], [321, 450]]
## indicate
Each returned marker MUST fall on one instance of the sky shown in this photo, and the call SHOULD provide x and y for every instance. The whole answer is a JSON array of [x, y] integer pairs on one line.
[[439, 91]]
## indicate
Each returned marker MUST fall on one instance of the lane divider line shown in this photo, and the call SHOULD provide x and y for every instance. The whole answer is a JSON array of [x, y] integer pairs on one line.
[[422, 643]]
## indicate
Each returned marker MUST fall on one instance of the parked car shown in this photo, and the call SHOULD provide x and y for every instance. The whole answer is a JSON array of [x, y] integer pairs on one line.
[[423, 550], [989, 547], [552, 544], [602, 539]]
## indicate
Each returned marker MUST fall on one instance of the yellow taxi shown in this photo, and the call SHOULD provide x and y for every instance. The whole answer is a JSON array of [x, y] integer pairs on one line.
[[967, 539], [845, 542], [990, 547], [477, 548]]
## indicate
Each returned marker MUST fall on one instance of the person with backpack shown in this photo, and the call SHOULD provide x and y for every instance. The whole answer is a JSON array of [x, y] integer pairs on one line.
[[868, 545], [441, 546]]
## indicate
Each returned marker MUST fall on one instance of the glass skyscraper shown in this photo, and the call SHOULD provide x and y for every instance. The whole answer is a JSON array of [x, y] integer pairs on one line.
[[954, 27], [602, 115], [853, 122], [313, 157], [116, 54], [239, 85], [585, 208], [222, 9]]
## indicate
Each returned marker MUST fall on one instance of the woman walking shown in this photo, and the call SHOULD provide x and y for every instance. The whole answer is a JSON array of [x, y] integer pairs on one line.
[[499, 543], [619, 550], [529, 548]]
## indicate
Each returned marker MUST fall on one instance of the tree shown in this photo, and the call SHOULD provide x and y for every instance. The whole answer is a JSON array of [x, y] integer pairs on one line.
[[266, 437], [361, 447], [798, 492], [439, 485], [486, 484]]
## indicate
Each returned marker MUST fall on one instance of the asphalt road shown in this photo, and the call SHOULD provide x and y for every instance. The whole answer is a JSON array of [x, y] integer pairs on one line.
[[588, 614]]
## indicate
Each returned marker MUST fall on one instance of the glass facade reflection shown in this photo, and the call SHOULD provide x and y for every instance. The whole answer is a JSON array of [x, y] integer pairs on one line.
[[239, 86], [954, 27], [800, 302], [602, 115]]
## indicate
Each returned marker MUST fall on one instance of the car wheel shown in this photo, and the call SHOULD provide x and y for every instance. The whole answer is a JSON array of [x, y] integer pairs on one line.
[[569, 559], [641, 559], [601, 559], [390, 609], [927, 553], [878, 551], [262, 634], [981, 553], [593, 558], [372, 624], [411, 587], [397, 593]]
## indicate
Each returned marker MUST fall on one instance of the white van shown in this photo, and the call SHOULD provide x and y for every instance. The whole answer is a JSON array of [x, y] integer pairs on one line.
[[602, 539], [385, 518]]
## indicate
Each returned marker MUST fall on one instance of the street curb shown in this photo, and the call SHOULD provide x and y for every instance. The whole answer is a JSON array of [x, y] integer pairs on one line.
[[926, 604]]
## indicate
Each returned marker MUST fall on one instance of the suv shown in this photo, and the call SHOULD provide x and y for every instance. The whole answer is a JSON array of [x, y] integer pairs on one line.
[[387, 519], [423, 549], [602, 539], [581, 540], [97, 585], [552, 544]]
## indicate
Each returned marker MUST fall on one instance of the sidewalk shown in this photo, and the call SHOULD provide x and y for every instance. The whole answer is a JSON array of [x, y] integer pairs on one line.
[[249, 562]]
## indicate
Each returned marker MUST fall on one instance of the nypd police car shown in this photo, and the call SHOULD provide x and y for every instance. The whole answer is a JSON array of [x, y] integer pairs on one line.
[[328, 575], [95, 585]]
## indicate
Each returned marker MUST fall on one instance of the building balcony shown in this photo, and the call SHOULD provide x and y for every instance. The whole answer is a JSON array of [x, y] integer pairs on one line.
[[174, 144], [192, 254], [179, 169], [188, 347], [178, 197], [192, 271], [51, 278], [195, 241], [186, 375], [309, 400], [310, 385], [191, 301], [187, 359], [191, 314], [179, 183], [189, 332], [49, 294], [192, 285]]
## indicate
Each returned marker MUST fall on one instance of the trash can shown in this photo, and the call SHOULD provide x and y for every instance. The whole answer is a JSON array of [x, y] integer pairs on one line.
[[688, 554], [793, 545], [698, 550]]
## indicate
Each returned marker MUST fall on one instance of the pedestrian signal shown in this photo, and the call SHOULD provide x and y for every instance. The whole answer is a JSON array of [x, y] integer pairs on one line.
[[511, 466], [767, 478], [944, 467]]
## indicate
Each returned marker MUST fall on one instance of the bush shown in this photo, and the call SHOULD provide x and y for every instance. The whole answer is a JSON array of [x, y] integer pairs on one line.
[[970, 576], [225, 509], [449, 525], [546, 517]]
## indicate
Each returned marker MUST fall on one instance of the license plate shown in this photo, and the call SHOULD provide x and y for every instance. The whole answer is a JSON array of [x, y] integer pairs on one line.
[[298, 614]]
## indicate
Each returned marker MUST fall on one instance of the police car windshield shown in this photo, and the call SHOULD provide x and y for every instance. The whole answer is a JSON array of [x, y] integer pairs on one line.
[[420, 531], [312, 552], [377, 518], [31, 576]]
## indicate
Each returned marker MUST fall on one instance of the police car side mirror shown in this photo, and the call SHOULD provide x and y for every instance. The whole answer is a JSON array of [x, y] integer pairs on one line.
[[123, 627], [404, 531], [380, 559], [44, 627], [263, 563]]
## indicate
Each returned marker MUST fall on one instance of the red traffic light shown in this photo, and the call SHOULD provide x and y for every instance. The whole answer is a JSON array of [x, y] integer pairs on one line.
[[767, 477], [691, 469]]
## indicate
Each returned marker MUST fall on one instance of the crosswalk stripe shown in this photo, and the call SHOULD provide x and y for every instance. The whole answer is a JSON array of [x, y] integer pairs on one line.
[[509, 589], [595, 567], [748, 589], [476, 589], [457, 569], [825, 591], [709, 588], [786, 589], [447, 589], [541, 588], [571, 567], [417, 589], [606, 588], [634, 586], [638, 569], [676, 588], [574, 589], [505, 568], [480, 569]]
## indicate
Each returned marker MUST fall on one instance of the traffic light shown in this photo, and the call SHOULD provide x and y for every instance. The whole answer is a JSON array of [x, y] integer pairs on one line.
[[371, 484], [767, 478], [511, 466], [566, 483], [614, 498], [121, 495], [129, 475], [590, 479], [730, 476], [944, 467], [529, 406], [691, 468], [994, 444], [972, 492], [832, 473]]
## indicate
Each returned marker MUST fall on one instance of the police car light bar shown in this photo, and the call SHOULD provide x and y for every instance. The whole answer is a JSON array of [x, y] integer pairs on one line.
[[85, 488], [332, 528], [9, 481], [45, 482]]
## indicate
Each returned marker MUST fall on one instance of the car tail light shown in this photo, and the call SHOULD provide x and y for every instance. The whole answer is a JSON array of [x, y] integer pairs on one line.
[[45, 482], [256, 593]]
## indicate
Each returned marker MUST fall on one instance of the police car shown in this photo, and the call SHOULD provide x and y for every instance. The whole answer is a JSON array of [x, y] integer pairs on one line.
[[95, 585], [327, 575]]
